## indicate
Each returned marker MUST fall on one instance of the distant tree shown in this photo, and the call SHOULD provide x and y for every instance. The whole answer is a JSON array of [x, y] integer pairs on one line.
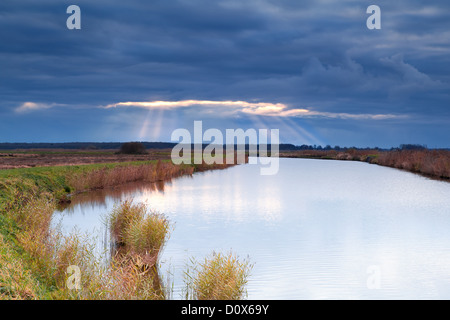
[[132, 148], [412, 147], [90, 147]]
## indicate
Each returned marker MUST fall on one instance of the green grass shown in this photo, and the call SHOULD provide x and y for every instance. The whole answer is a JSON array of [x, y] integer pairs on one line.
[[16, 280], [61, 152], [51, 179]]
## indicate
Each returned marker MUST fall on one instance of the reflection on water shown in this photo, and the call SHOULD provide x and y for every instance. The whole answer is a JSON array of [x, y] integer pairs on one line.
[[101, 197], [316, 230], [88, 212]]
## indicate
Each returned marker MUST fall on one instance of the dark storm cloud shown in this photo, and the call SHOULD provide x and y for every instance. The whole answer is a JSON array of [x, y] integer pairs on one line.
[[306, 54]]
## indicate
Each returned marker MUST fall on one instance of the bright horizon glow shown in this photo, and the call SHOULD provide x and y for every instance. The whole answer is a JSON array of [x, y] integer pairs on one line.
[[253, 108]]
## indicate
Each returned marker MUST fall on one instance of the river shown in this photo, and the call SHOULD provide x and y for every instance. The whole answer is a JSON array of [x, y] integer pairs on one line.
[[319, 229]]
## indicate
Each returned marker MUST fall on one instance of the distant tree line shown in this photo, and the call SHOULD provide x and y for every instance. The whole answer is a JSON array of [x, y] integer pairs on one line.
[[82, 145], [412, 147], [338, 148], [170, 145]]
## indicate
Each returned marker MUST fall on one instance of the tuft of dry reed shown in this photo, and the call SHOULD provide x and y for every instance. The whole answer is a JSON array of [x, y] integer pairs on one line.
[[140, 232], [128, 278], [218, 277]]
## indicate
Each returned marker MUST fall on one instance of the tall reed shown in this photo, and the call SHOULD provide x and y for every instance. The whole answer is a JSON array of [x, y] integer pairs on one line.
[[109, 177], [35, 257], [218, 277], [434, 163], [141, 232], [49, 253], [16, 282]]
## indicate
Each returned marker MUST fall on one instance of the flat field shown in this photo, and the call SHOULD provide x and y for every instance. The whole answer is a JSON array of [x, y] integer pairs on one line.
[[12, 159]]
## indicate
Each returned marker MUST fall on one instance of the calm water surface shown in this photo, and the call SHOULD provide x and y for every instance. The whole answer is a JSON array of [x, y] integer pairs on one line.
[[316, 230]]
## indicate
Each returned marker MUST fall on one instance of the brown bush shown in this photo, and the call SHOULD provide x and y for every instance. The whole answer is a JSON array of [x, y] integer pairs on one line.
[[133, 148]]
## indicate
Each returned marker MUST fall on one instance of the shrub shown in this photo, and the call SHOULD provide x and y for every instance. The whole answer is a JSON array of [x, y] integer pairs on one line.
[[219, 277], [133, 148], [140, 232]]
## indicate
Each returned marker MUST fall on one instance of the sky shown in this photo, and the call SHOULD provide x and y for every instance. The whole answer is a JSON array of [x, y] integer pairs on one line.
[[139, 69]]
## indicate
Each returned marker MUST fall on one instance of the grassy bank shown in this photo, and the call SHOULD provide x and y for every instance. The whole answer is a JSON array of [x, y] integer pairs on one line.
[[427, 162], [34, 257]]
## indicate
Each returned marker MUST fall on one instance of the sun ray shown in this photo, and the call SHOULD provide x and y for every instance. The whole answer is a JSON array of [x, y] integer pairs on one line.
[[268, 109]]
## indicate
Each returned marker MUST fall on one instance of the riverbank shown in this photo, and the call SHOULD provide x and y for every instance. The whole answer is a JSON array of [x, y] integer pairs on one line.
[[427, 162], [34, 259]]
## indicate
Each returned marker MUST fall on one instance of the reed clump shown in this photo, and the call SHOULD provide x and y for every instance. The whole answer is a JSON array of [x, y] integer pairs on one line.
[[140, 232], [218, 277], [129, 278]]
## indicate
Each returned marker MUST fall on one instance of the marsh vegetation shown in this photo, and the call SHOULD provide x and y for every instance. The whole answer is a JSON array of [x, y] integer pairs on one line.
[[35, 257], [433, 163]]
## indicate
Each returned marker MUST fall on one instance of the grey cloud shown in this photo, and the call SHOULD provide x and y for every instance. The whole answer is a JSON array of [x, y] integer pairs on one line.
[[316, 54]]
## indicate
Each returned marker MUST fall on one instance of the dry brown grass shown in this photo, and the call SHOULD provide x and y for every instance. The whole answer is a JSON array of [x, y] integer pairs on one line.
[[46, 253], [435, 163], [204, 166], [55, 157], [16, 282], [140, 232], [129, 278], [49, 253], [110, 177], [432, 163], [218, 277]]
